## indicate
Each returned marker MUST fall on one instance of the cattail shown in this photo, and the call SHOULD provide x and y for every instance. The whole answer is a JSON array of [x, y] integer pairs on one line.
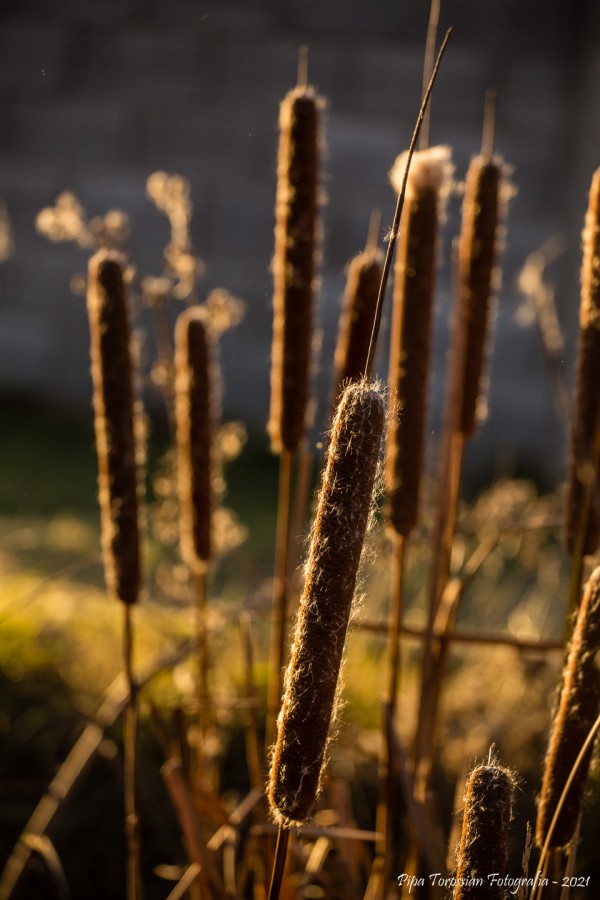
[[578, 709], [414, 282], [583, 464], [194, 408], [484, 839], [358, 314], [294, 265], [114, 425], [335, 550], [485, 192]]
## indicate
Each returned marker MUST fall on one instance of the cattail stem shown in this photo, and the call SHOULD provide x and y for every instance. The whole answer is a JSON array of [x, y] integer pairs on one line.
[[132, 832], [199, 586], [283, 837], [395, 621], [583, 521], [281, 591], [578, 709], [320, 632], [484, 840], [112, 376]]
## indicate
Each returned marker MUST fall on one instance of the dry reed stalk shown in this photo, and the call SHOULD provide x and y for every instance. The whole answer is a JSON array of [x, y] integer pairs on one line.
[[195, 412], [414, 281], [335, 550], [294, 272], [294, 265], [112, 378], [486, 193], [483, 848], [578, 709], [195, 417], [583, 521], [358, 315], [484, 200]]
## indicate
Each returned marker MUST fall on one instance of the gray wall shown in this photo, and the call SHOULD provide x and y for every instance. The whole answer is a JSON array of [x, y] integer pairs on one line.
[[94, 96]]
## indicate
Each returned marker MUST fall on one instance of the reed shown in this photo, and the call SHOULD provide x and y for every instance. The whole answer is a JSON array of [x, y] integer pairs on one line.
[[410, 347], [358, 315], [582, 520], [294, 265], [294, 272], [331, 570], [195, 413], [484, 839], [578, 709], [112, 378]]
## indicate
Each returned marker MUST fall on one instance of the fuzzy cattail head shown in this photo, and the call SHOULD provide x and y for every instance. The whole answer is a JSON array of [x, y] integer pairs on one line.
[[358, 315], [486, 190], [414, 281], [582, 501], [194, 407], [312, 675], [114, 425], [578, 709], [485, 832], [294, 265]]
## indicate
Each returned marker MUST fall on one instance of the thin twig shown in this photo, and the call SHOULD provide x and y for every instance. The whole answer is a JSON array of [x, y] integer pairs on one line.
[[283, 837], [132, 827]]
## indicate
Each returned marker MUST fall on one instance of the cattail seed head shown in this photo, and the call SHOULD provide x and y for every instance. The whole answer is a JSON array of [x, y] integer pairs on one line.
[[112, 379], [578, 709], [294, 265], [483, 205], [358, 314], [320, 632], [485, 832], [414, 282], [583, 462], [194, 409]]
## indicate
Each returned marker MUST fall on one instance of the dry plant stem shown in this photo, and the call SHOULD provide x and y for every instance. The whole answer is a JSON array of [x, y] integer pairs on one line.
[[395, 621], [432, 27], [281, 591], [283, 837], [584, 444], [199, 585], [253, 746], [442, 554], [578, 708], [115, 700], [399, 207], [304, 482], [132, 826]]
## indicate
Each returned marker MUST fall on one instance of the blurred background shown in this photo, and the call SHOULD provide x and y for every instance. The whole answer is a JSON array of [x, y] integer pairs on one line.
[[95, 95]]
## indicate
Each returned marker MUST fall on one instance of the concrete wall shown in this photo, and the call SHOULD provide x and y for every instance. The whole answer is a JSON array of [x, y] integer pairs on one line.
[[97, 94]]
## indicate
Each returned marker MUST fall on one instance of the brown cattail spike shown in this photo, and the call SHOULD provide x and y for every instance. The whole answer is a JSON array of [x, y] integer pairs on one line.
[[483, 849], [578, 709], [294, 265], [335, 550], [478, 250], [414, 282], [114, 424], [358, 315], [584, 455], [194, 390]]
